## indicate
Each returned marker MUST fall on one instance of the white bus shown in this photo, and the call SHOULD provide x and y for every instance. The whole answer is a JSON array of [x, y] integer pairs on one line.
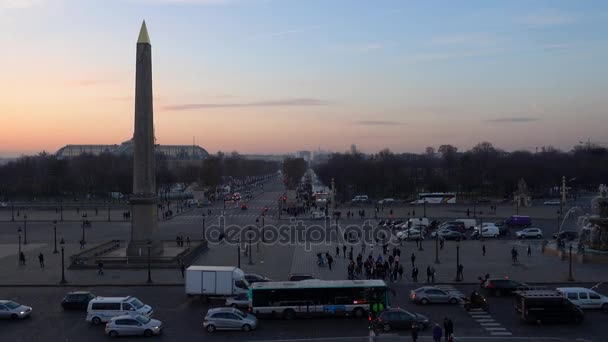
[[436, 198], [317, 298]]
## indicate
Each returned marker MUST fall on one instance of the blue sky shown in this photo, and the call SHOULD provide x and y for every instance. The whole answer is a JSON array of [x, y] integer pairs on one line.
[[280, 75]]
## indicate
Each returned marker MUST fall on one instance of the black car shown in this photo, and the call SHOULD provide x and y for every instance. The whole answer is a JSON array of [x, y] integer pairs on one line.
[[503, 286], [254, 278], [299, 277], [453, 235], [78, 300], [566, 235], [396, 319], [546, 306]]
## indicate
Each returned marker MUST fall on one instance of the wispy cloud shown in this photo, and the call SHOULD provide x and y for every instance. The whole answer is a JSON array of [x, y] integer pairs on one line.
[[547, 19], [287, 32], [480, 39], [378, 123], [513, 120], [273, 103]]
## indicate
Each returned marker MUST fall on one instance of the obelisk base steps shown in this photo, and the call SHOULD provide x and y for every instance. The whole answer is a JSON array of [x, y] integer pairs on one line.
[[145, 226]]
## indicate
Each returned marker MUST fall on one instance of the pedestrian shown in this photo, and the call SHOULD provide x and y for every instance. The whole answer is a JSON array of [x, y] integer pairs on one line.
[[400, 270], [181, 241], [448, 328], [415, 330], [182, 267], [441, 242], [344, 251], [413, 213], [22, 258], [351, 252], [428, 274], [433, 274], [468, 212], [413, 258], [100, 268], [483, 250], [460, 274], [529, 250], [363, 246], [437, 333], [177, 240], [330, 260], [41, 260], [337, 251], [415, 274], [188, 241]]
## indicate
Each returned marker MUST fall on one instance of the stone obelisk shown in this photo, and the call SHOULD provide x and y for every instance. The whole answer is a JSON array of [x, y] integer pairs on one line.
[[144, 229]]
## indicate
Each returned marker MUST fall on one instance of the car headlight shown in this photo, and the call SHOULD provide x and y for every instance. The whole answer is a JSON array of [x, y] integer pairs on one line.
[[22, 312]]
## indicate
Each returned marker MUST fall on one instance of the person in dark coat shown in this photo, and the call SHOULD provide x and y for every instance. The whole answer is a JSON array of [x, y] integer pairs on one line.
[[415, 330]]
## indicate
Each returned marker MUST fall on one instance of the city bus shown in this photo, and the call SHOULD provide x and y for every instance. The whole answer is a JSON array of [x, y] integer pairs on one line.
[[436, 198], [314, 297]]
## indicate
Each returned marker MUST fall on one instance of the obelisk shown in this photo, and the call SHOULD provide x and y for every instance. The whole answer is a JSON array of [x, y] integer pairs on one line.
[[144, 228]]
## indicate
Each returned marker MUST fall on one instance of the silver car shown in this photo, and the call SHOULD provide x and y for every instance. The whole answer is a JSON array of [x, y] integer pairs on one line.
[[432, 294], [13, 310], [229, 319], [129, 325], [238, 301]]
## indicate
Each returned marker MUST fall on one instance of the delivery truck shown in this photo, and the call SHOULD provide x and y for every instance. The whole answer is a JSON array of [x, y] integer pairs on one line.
[[215, 281]]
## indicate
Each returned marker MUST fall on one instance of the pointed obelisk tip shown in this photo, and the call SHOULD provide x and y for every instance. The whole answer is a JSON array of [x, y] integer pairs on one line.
[[143, 34]]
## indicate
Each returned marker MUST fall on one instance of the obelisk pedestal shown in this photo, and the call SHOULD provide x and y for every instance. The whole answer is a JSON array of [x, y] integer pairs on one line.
[[144, 231]]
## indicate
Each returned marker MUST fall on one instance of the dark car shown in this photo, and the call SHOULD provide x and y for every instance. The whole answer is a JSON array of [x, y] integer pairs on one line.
[[78, 300], [300, 276], [503, 286], [244, 206], [396, 319], [255, 278], [546, 306], [566, 235], [453, 235]]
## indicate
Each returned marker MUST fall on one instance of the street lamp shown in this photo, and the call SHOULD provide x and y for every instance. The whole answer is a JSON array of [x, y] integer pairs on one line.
[[63, 281], [457, 262], [436, 248], [24, 229], [421, 236], [19, 232], [204, 236], [55, 236], [570, 277], [558, 219], [149, 246], [82, 241], [480, 227]]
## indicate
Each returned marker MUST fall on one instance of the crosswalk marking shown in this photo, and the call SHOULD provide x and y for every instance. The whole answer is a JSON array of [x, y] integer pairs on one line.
[[485, 320]]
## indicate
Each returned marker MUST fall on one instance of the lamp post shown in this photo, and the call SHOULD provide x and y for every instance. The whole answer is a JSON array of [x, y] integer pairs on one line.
[[63, 281], [457, 261], [424, 207], [570, 277], [421, 236], [558, 219], [204, 236], [82, 241], [12, 211], [238, 254], [480, 227], [19, 232], [436, 248], [24, 229], [55, 236], [149, 246]]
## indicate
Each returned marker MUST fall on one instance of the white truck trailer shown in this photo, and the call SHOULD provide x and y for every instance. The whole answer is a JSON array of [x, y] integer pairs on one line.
[[215, 281]]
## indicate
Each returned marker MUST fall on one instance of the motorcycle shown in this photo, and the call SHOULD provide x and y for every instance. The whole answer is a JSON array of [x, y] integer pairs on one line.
[[478, 303]]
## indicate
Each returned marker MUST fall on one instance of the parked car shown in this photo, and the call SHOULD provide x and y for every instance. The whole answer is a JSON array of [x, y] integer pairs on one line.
[[432, 294], [566, 235], [461, 226], [468, 223], [386, 201], [229, 319], [502, 286], [78, 300], [14, 310], [534, 233], [445, 229], [518, 221], [395, 318], [360, 199], [299, 277], [453, 235], [130, 325], [585, 298], [546, 306], [410, 235], [238, 301], [102, 309], [255, 278], [489, 230]]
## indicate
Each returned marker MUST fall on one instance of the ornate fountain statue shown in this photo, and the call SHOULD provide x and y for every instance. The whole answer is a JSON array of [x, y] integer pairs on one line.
[[595, 234]]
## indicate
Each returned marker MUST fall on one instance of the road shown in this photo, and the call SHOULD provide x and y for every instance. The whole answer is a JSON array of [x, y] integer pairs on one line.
[[183, 316]]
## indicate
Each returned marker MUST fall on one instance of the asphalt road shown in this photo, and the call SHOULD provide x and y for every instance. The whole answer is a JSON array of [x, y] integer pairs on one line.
[[182, 318]]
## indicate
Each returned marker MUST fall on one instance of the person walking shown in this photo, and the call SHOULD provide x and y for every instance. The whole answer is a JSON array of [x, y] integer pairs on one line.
[[429, 273], [433, 274], [337, 251], [415, 330], [460, 276], [437, 333], [413, 258], [100, 268], [529, 250], [400, 270], [483, 250], [188, 241], [448, 328], [363, 246], [344, 251], [182, 268], [330, 260], [415, 274], [22, 258], [41, 260]]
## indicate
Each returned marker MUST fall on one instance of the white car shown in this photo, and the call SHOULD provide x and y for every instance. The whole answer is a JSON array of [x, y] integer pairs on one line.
[[585, 298], [411, 234], [131, 325], [529, 233], [386, 201], [487, 230], [13, 310]]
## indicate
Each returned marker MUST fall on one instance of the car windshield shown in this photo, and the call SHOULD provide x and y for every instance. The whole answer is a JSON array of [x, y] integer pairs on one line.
[[12, 305], [136, 303], [142, 319], [240, 313]]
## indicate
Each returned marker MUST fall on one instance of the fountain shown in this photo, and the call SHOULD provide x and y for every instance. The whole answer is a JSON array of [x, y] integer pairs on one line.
[[594, 234]]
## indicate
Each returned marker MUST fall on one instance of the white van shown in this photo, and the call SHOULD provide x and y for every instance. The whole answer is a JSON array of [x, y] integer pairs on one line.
[[487, 230], [419, 221], [585, 298], [468, 223], [102, 309]]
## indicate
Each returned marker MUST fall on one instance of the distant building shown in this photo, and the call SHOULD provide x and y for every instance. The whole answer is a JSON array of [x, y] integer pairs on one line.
[[172, 152], [306, 155], [353, 149]]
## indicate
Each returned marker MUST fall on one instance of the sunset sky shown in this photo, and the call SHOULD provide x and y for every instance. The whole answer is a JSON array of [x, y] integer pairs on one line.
[[273, 76]]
